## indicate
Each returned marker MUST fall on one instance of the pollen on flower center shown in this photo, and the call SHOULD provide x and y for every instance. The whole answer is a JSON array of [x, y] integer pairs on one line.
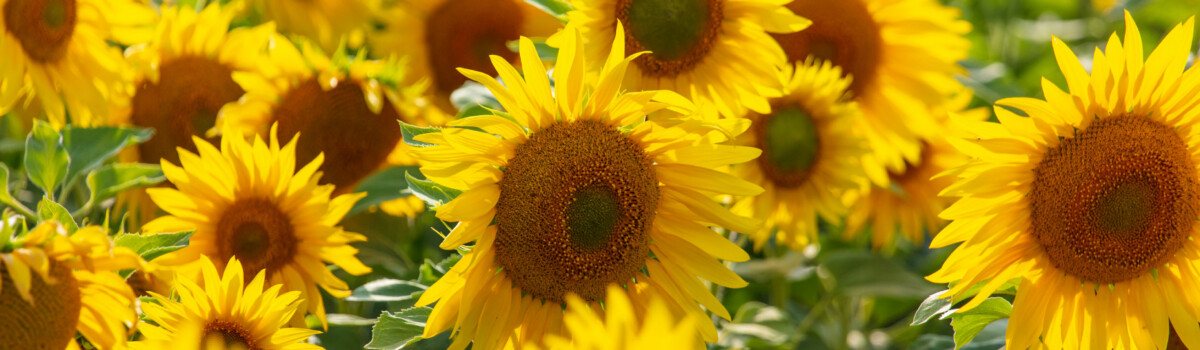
[[43, 27], [574, 212], [183, 103], [232, 333], [842, 32], [1116, 200], [678, 33], [49, 322], [258, 234], [791, 145]]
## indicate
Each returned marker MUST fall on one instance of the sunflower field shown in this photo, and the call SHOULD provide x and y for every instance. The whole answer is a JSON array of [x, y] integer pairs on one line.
[[599, 174]]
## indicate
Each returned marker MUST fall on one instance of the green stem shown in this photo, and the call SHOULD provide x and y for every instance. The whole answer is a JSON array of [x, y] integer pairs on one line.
[[21, 209]]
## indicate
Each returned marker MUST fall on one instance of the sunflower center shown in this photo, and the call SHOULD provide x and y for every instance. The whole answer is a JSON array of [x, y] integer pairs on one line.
[[232, 333], [43, 27], [338, 122], [678, 33], [790, 142], [1116, 200], [463, 33], [842, 32], [574, 213], [184, 103], [47, 323], [258, 234]]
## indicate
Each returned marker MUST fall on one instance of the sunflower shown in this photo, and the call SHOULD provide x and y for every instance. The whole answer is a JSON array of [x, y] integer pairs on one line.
[[442, 35], [183, 77], [1091, 202], [625, 323], [571, 191], [327, 22], [345, 105], [810, 156], [244, 315], [247, 200], [56, 52], [716, 52], [902, 56], [53, 284], [908, 202]]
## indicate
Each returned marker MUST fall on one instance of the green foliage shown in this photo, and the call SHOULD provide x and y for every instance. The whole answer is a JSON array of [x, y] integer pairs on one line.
[[431, 192], [383, 186], [410, 131], [969, 323], [45, 159], [150, 247], [862, 273], [88, 148], [386, 289], [111, 179], [48, 210], [399, 330]]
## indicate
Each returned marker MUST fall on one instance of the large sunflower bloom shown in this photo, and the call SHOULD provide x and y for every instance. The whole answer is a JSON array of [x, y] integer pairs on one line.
[[248, 315], [625, 323], [56, 53], [439, 36], [909, 204], [1091, 202], [902, 56], [716, 52], [53, 284], [811, 156], [183, 77], [572, 191], [346, 106], [248, 200]]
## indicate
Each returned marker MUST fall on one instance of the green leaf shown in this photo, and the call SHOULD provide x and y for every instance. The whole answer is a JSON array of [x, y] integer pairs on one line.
[[397, 330], [386, 289], [152, 246], [430, 272], [383, 186], [5, 196], [471, 111], [348, 320], [410, 131], [865, 274], [49, 210], [430, 192], [556, 8], [90, 147], [473, 94], [46, 160], [968, 324], [759, 325], [109, 180], [934, 305], [1009, 287]]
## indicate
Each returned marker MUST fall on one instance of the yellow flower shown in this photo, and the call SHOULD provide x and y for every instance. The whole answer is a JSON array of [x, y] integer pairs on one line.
[[811, 156], [183, 77], [346, 106], [56, 53], [902, 56], [440, 36], [248, 200], [53, 284], [716, 52], [1091, 202], [571, 191], [910, 204], [227, 311], [327, 22], [625, 323]]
